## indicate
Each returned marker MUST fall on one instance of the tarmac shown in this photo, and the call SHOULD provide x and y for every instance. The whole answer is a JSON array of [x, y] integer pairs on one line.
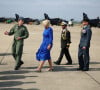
[[64, 77]]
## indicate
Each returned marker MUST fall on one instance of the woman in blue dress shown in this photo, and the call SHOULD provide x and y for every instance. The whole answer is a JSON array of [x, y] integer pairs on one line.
[[43, 52]]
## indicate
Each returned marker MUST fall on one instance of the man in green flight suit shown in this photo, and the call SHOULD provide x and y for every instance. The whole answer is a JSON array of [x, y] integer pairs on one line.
[[20, 33]]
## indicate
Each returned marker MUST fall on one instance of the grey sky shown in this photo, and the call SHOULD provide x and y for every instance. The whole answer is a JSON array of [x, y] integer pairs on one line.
[[55, 8]]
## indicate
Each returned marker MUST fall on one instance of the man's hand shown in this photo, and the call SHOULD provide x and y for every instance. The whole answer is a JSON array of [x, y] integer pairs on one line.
[[49, 47], [84, 48], [6, 33], [68, 45], [19, 38]]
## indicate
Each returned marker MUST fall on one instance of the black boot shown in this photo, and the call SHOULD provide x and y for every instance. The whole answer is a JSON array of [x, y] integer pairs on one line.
[[85, 69], [69, 63], [21, 63], [16, 68], [56, 63]]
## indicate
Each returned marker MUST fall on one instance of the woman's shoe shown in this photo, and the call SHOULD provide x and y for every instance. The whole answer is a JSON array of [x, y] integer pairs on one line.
[[51, 69], [37, 70]]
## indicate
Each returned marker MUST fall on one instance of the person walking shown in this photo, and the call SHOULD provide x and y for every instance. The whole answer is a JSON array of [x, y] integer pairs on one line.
[[20, 33], [65, 44], [43, 52]]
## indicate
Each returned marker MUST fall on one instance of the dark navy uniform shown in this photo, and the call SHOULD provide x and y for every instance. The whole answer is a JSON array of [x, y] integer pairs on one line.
[[65, 43], [83, 54]]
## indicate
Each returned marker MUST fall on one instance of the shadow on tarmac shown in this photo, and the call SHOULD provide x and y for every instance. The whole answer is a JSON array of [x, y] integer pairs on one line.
[[5, 54], [9, 79]]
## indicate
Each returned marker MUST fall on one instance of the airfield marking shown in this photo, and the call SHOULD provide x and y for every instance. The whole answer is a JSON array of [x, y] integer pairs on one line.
[[93, 78]]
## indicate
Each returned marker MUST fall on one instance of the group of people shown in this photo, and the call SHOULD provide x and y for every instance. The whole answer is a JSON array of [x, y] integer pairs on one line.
[[20, 33]]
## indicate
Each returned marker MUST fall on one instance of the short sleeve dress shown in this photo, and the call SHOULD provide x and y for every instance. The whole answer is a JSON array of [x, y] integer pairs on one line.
[[43, 53]]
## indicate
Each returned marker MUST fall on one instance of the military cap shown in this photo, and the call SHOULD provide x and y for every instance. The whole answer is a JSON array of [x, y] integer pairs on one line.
[[63, 24]]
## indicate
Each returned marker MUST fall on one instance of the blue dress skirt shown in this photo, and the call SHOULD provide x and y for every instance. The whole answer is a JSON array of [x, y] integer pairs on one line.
[[43, 53]]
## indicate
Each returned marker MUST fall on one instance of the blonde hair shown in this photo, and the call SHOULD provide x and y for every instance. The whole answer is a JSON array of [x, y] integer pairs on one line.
[[46, 23]]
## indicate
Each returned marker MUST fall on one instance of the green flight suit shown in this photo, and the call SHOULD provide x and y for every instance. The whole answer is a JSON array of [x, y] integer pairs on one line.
[[17, 47]]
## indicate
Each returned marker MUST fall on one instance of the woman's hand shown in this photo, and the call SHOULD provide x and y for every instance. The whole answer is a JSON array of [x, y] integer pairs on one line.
[[49, 47]]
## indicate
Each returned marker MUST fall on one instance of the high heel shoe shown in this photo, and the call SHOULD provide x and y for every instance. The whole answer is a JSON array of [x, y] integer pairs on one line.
[[37, 71], [51, 69]]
